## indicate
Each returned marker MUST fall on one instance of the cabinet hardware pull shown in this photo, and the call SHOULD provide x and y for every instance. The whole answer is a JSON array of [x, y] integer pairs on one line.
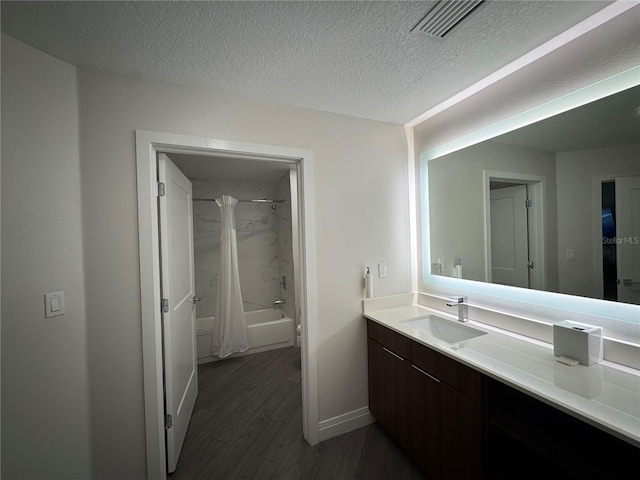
[[394, 354], [425, 373]]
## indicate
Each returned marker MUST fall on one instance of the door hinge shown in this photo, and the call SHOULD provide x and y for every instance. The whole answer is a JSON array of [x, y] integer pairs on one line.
[[530, 264], [168, 422], [161, 189], [164, 305], [528, 203]]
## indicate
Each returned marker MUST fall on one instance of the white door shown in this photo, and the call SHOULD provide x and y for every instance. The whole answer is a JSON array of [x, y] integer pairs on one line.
[[628, 238], [178, 318], [509, 236]]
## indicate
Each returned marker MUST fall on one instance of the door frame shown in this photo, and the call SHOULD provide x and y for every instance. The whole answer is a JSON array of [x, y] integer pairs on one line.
[[148, 144], [537, 246], [596, 225]]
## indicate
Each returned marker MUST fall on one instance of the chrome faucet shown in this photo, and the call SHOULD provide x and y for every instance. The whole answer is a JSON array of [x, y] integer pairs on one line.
[[463, 307], [279, 302]]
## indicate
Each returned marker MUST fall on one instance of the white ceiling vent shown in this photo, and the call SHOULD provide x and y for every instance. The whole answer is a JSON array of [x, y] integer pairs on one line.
[[445, 15]]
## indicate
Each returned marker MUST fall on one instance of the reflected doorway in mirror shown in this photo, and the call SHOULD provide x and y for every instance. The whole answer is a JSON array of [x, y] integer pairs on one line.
[[508, 207], [516, 238], [627, 241]]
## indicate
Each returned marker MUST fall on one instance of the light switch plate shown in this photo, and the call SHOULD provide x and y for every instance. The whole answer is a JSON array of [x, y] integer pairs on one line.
[[382, 270], [53, 304]]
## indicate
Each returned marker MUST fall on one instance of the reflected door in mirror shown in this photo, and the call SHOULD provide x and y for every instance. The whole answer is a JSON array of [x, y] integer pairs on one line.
[[509, 236], [628, 238]]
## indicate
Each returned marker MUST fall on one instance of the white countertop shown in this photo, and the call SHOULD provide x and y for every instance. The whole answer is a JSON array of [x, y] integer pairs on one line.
[[606, 395]]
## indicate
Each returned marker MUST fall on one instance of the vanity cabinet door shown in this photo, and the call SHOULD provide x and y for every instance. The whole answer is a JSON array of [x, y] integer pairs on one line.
[[427, 402], [447, 430], [389, 393], [426, 406], [461, 435]]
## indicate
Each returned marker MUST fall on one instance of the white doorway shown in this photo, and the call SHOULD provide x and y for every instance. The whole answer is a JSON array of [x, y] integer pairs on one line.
[[529, 191], [616, 238], [509, 234], [148, 144], [628, 239]]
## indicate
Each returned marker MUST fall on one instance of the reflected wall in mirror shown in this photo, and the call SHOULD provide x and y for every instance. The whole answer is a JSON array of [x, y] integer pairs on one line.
[[551, 206]]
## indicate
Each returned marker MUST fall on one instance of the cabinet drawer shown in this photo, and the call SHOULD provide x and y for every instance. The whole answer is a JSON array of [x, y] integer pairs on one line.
[[459, 376], [397, 343]]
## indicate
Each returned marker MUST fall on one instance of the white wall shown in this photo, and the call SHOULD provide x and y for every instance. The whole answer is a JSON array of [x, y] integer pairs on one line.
[[361, 219], [45, 402], [575, 171]]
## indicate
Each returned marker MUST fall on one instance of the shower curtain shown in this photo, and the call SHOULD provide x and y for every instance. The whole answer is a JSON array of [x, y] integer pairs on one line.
[[230, 326]]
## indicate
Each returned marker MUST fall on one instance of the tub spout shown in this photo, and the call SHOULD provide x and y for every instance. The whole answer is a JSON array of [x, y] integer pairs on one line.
[[279, 302]]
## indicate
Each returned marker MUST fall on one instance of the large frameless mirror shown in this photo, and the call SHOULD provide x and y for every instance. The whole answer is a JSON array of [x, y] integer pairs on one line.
[[553, 205]]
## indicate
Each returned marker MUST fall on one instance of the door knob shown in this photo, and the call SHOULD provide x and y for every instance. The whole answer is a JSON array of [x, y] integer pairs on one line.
[[196, 299]]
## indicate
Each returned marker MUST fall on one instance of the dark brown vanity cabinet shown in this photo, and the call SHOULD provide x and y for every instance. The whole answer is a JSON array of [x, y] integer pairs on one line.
[[446, 415], [389, 377], [427, 402], [426, 406], [457, 423]]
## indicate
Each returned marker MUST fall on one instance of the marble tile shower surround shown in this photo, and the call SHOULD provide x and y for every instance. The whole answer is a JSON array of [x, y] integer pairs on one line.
[[258, 231]]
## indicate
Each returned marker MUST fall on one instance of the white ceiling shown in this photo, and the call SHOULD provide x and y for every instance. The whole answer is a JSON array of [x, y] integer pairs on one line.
[[200, 167], [354, 58]]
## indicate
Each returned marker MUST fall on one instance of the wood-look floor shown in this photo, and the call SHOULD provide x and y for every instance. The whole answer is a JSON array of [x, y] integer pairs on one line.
[[247, 424]]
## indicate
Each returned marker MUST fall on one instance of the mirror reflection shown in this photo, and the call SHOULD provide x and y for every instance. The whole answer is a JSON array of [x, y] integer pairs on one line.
[[552, 206]]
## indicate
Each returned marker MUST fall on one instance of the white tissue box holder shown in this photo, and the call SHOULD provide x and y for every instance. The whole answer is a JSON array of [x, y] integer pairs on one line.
[[578, 340]]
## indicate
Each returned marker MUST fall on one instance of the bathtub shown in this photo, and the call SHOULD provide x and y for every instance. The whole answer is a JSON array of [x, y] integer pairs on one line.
[[268, 329]]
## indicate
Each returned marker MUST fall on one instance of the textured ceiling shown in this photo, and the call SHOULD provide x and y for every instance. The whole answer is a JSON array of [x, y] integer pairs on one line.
[[354, 58], [609, 122]]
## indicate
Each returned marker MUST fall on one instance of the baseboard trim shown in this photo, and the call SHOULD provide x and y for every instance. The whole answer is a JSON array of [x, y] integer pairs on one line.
[[345, 423]]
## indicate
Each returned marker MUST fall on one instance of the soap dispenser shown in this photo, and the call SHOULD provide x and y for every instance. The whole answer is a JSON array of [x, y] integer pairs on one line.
[[368, 283], [457, 269]]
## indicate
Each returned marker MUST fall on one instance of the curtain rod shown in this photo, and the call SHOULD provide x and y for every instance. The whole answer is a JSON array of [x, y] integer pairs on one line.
[[260, 200]]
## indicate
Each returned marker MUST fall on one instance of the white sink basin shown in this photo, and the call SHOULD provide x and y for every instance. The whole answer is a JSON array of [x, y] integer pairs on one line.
[[445, 330]]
